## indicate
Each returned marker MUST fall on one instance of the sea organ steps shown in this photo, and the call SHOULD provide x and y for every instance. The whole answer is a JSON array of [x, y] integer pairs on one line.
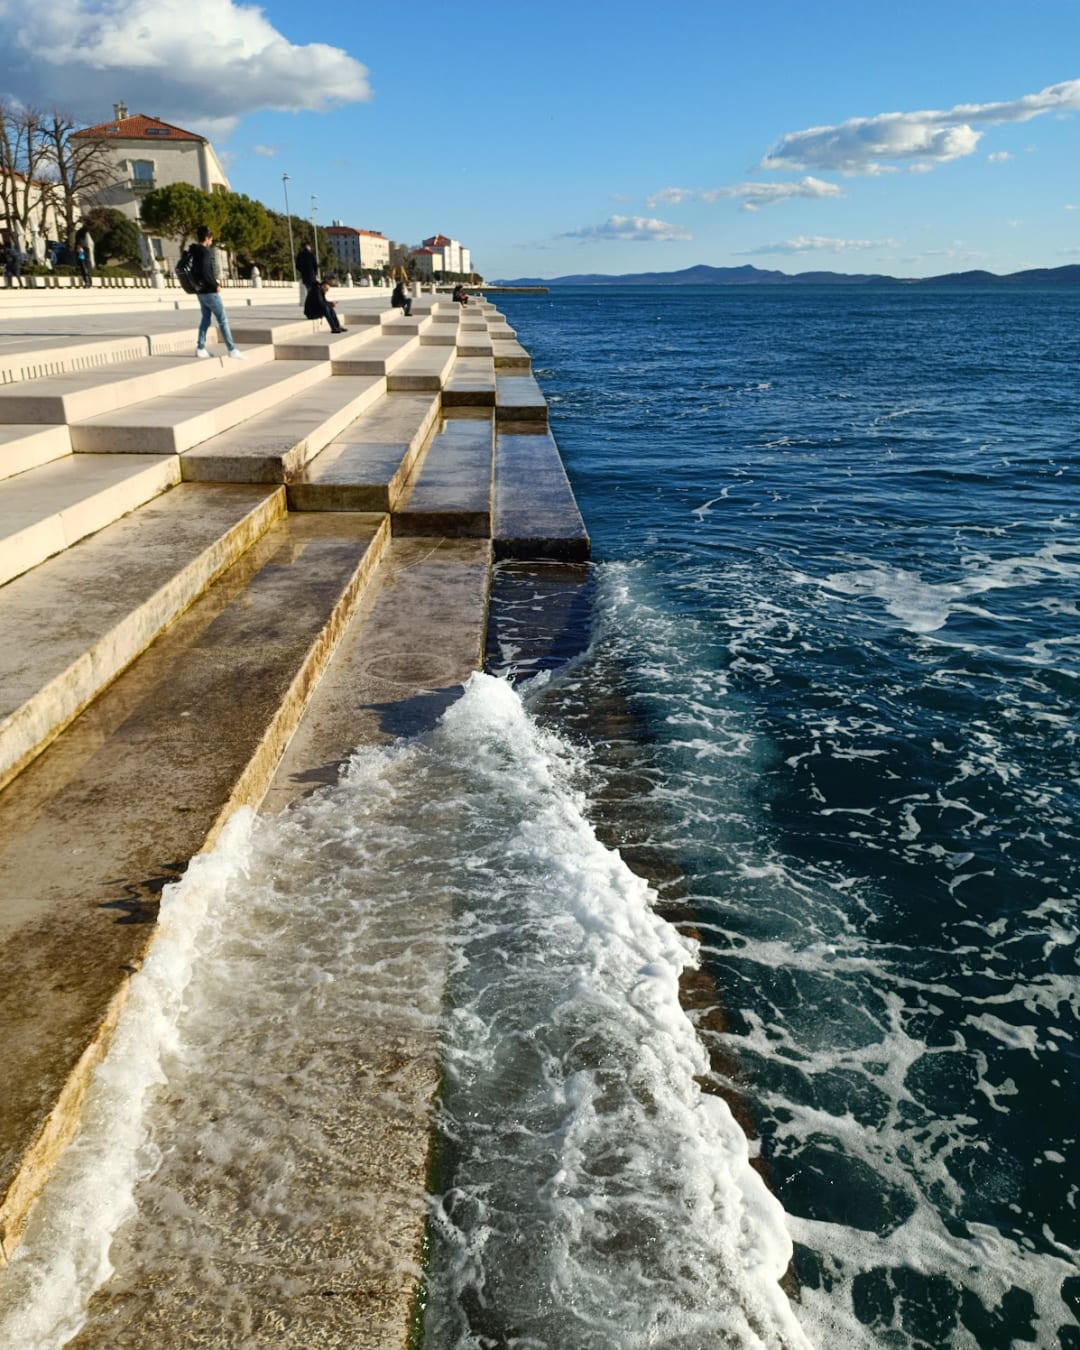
[[161, 704]]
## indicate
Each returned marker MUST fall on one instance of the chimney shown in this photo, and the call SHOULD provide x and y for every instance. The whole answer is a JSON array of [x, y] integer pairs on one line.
[[119, 111]]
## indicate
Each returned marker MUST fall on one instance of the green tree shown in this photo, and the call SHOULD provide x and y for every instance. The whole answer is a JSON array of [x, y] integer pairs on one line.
[[115, 235], [178, 210], [247, 226]]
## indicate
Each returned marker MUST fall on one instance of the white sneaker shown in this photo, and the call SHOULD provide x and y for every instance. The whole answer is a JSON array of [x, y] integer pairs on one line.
[[202, 353], [237, 355]]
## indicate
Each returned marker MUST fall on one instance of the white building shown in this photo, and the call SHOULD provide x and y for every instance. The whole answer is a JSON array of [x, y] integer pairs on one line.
[[149, 153], [355, 249], [441, 255]]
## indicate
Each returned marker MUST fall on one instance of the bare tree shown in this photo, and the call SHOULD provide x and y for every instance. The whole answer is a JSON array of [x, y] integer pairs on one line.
[[48, 164]]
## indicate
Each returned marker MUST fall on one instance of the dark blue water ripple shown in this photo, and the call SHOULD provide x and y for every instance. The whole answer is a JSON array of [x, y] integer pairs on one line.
[[839, 535]]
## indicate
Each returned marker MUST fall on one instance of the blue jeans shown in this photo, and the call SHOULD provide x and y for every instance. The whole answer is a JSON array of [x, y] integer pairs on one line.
[[213, 308]]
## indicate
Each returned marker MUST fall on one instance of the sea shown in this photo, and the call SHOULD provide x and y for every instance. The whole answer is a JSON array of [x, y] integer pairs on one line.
[[761, 837]]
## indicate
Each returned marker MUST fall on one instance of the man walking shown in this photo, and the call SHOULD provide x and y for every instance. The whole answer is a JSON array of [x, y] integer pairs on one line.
[[204, 272]]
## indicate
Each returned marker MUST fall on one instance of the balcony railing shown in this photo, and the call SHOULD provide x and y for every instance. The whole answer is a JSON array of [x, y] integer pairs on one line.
[[141, 184]]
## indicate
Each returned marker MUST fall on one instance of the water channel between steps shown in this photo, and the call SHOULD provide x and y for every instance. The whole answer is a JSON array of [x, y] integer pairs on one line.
[[299, 967]]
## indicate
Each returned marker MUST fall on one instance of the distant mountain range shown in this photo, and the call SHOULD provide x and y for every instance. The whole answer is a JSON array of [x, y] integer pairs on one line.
[[702, 275]]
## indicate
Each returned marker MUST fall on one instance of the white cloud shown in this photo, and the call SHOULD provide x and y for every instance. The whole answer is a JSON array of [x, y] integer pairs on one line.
[[264, 151], [629, 227], [998, 157], [200, 63], [751, 196], [817, 243], [1071, 207], [859, 145]]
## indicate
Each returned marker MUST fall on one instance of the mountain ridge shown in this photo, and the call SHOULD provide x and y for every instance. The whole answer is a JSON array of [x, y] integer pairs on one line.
[[748, 275]]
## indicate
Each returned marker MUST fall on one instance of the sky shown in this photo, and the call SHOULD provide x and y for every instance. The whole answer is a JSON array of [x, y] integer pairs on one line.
[[910, 138]]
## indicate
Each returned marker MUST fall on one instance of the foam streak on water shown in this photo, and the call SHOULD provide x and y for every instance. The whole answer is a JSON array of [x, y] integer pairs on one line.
[[591, 1183], [586, 1175]]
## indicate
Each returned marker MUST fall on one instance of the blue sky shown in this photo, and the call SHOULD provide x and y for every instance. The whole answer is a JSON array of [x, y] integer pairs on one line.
[[915, 138]]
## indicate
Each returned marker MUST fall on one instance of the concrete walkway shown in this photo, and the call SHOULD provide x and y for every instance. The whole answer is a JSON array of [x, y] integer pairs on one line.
[[174, 531]]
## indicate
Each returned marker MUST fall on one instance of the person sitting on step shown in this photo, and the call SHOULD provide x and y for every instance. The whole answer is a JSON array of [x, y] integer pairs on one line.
[[317, 306]]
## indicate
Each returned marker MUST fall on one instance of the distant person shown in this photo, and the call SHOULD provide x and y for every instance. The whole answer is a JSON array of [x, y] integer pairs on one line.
[[460, 294], [401, 299], [13, 265], [82, 258], [319, 306], [307, 264], [204, 271]]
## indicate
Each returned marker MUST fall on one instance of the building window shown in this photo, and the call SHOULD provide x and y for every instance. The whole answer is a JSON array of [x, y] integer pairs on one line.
[[142, 174]]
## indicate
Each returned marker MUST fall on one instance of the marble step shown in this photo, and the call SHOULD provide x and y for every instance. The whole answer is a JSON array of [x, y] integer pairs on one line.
[[176, 422], [424, 369], [45, 510], [365, 468], [536, 515], [145, 779], [416, 638], [449, 493], [379, 356], [70, 398], [471, 383], [518, 398], [275, 446], [116, 592], [35, 358], [324, 345], [509, 354], [25, 447]]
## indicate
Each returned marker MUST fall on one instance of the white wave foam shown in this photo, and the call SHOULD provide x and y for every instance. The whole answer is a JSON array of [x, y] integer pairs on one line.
[[64, 1256]]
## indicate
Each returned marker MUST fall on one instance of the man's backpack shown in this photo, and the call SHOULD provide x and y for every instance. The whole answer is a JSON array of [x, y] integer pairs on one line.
[[185, 273]]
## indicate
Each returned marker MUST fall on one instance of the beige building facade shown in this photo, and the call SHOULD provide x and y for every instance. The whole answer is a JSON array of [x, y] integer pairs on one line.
[[147, 154], [358, 249]]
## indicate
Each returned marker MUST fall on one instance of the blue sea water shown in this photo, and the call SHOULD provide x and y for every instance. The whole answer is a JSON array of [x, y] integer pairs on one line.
[[837, 565], [756, 889]]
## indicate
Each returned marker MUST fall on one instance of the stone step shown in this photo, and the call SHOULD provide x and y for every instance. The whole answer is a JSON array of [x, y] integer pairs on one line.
[[439, 335], [415, 639], [274, 447], [510, 354], [147, 777], [45, 510], [471, 383], [449, 493], [324, 346], [366, 467], [267, 330], [25, 447], [425, 368], [474, 343], [379, 356], [176, 422], [70, 398], [518, 398], [536, 515], [500, 331], [116, 592], [35, 358]]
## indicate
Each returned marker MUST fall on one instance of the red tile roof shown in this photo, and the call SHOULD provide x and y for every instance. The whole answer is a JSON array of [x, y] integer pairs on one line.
[[140, 127]]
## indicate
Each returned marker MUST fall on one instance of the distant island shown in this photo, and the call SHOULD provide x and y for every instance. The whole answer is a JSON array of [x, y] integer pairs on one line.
[[702, 275]]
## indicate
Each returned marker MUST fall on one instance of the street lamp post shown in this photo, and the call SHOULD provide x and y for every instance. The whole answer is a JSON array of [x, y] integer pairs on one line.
[[288, 221]]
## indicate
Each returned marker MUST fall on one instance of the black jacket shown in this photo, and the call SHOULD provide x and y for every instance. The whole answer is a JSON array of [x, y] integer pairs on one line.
[[308, 266], [203, 271]]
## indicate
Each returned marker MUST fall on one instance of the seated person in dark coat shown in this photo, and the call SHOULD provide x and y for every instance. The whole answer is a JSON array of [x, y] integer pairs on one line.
[[317, 306], [401, 299]]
